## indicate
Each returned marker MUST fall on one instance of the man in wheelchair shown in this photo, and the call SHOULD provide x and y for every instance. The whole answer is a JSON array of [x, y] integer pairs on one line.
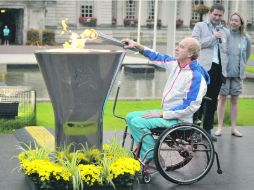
[[183, 93]]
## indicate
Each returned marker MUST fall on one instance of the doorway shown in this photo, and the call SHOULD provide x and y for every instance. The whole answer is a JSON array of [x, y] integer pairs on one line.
[[13, 18]]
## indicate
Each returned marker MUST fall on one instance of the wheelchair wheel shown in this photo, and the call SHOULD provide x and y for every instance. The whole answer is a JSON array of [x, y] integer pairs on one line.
[[184, 154]]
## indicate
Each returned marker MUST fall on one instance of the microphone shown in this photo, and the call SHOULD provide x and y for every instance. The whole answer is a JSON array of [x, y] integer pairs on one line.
[[218, 29]]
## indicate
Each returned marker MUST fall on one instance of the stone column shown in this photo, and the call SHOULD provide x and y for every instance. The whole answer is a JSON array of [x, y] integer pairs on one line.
[[185, 12]]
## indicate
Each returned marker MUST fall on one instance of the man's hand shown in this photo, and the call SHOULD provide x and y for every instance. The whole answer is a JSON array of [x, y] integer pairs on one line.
[[130, 44], [218, 35], [152, 114]]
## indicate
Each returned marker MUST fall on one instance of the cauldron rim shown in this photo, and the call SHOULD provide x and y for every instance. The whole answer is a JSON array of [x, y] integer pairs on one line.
[[77, 51]]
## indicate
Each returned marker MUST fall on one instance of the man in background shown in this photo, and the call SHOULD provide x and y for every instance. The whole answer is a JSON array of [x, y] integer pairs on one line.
[[213, 38], [6, 33]]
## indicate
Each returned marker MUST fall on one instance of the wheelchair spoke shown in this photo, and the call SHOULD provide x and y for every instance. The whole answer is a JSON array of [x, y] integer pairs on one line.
[[187, 153]]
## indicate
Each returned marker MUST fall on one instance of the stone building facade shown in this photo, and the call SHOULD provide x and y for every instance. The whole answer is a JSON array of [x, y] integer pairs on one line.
[[22, 15]]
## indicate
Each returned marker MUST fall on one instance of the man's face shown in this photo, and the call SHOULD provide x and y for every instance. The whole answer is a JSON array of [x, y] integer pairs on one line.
[[216, 16], [181, 50]]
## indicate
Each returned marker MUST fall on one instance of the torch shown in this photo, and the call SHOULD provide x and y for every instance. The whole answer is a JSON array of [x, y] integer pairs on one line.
[[93, 34]]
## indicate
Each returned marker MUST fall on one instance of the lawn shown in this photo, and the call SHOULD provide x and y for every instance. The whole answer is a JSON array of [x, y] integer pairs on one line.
[[45, 114], [249, 69], [251, 57]]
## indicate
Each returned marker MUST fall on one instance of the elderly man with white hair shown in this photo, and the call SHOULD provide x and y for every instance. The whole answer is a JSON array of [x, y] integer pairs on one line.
[[183, 92]]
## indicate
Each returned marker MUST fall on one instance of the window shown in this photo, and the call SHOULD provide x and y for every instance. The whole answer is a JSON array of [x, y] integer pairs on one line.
[[251, 12], [86, 9], [195, 16], [131, 9], [150, 9], [114, 8], [195, 3]]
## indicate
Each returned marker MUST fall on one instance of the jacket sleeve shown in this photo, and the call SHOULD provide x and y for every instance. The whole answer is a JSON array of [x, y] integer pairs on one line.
[[208, 41], [248, 48], [195, 90], [161, 60]]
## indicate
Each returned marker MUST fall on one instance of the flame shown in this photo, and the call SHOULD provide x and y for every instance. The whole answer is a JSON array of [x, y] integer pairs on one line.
[[90, 33], [77, 40], [64, 25]]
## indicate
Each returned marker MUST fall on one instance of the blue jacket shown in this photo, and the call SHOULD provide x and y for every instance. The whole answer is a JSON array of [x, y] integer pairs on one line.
[[185, 87]]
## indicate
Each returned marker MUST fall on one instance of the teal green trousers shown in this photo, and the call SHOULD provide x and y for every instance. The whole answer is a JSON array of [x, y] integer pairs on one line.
[[138, 126]]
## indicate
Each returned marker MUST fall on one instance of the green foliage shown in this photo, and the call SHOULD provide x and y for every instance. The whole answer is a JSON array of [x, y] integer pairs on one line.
[[251, 57], [117, 150], [66, 168], [33, 151], [71, 165], [8, 125], [33, 37], [48, 37], [245, 115], [26, 116], [45, 115], [249, 69]]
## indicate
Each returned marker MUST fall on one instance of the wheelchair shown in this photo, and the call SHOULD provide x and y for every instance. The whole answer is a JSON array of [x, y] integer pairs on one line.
[[183, 154]]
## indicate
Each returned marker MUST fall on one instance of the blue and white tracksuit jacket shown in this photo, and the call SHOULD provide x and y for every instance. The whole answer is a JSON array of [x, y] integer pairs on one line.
[[182, 97]]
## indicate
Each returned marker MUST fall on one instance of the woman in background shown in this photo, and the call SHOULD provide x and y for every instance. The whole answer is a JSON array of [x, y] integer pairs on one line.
[[239, 52]]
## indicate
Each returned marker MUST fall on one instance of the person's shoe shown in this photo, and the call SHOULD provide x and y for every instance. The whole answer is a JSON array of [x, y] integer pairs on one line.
[[149, 166], [197, 121], [213, 138], [236, 133], [218, 132]]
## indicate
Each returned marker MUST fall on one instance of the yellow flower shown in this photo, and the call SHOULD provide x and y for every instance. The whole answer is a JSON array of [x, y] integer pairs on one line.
[[99, 170], [45, 169], [90, 174], [124, 166]]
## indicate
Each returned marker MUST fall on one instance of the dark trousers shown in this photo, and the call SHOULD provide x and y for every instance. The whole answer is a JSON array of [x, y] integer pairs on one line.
[[208, 108]]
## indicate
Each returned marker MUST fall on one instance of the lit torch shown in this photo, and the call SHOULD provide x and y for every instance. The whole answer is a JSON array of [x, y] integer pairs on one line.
[[93, 34], [78, 41]]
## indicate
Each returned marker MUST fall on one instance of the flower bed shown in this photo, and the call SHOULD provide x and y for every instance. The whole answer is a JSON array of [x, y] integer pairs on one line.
[[202, 9], [130, 22], [88, 21], [150, 23], [109, 168]]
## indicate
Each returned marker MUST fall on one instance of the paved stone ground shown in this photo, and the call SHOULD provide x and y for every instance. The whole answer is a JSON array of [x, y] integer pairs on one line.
[[236, 156]]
